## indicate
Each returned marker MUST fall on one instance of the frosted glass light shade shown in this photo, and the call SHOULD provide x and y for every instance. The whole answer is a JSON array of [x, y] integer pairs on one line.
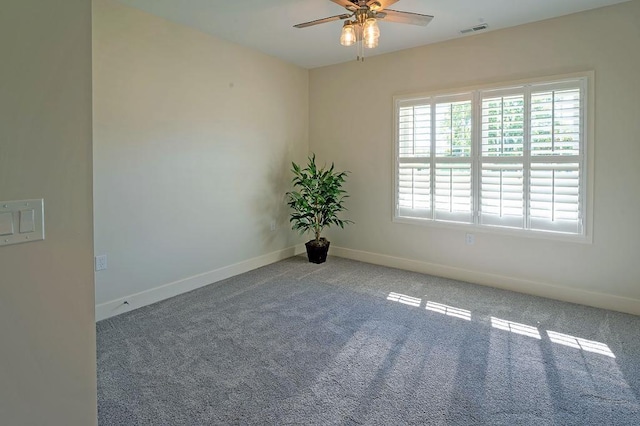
[[371, 28], [348, 36]]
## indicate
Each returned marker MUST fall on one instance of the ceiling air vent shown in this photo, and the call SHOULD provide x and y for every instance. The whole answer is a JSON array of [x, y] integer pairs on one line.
[[474, 29]]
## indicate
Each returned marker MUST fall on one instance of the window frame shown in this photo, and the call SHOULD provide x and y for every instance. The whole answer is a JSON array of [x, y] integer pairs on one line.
[[586, 164]]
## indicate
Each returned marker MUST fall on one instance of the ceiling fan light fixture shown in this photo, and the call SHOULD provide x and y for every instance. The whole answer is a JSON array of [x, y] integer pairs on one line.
[[348, 35], [361, 23], [371, 29]]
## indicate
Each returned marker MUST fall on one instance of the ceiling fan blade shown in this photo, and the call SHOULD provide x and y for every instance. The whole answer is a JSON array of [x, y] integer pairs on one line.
[[323, 20], [389, 15], [346, 4], [383, 4]]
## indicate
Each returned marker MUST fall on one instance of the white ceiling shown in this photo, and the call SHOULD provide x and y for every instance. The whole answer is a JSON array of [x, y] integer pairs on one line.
[[267, 25]]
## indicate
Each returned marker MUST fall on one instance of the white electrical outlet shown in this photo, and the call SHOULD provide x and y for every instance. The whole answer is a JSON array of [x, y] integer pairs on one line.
[[274, 225], [470, 239], [101, 262]]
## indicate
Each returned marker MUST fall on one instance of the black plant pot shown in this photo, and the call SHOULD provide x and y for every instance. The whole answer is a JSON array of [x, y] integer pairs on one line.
[[317, 251]]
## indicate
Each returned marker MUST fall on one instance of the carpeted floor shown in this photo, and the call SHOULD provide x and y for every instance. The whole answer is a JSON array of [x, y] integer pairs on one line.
[[352, 343]]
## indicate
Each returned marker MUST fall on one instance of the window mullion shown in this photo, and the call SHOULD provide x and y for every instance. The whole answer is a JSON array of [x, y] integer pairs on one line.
[[432, 158], [583, 155], [476, 153], [526, 160]]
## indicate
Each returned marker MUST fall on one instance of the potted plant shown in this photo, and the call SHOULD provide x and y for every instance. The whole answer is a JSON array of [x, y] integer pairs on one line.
[[316, 200]]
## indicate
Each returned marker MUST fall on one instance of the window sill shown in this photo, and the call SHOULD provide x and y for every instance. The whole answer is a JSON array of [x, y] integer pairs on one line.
[[496, 230]]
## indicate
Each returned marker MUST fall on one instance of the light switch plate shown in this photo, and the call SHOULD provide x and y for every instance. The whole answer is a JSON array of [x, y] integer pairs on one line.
[[26, 221]]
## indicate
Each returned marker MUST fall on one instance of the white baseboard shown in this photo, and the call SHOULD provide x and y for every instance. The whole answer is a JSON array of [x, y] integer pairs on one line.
[[551, 291], [165, 291]]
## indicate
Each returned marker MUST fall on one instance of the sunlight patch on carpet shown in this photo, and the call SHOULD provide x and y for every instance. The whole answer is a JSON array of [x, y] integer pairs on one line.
[[578, 343], [451, 311], [514, 327], [506, 325], [403, 298]]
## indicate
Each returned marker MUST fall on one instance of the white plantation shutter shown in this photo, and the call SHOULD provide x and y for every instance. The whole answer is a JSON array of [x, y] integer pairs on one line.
[[557, 157], [414, 170], [502, 158], [510, 157], [555, 122], [453, 128], [503, 124], [434, 186], [555, 197], [415, 131], [453, 197], [453, 175], [501, 195], [414, 190]]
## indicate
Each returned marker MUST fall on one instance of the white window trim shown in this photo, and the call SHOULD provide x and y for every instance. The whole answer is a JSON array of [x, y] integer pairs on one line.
[[587, 163]]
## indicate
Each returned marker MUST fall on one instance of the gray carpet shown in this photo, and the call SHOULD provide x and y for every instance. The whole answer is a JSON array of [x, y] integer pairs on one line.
[[351, 343]]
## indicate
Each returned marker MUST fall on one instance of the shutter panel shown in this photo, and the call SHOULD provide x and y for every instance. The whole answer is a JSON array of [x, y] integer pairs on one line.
[[555, 197], [453, 129], [414, 190], [453, 192], [414, 127], [453, 176], [414, 163], [503, 126], [556, 154], [502, 159], [555, 122], [502, 195]]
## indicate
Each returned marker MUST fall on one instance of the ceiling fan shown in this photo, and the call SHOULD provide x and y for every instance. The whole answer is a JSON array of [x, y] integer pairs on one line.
[[361, 25]]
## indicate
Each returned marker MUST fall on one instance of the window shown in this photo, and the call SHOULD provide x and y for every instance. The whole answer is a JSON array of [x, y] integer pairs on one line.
[[511, 157]]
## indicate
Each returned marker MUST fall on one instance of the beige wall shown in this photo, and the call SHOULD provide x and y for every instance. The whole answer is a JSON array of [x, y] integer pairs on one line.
[[352, 124], [193, 141], [47, 330]]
